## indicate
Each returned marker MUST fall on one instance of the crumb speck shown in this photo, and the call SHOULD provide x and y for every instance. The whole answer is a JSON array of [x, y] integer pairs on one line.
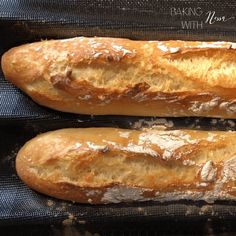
[[140, 209], [50, 203], [231, 123], [70, 220], [160, 123], [67, 222], [206, 209], [82, 222], [71, 217], [214, 121]]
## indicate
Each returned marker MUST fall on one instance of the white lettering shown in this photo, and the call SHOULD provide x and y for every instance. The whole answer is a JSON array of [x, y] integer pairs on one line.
[[187, 11], [212, 18], [192, 24]]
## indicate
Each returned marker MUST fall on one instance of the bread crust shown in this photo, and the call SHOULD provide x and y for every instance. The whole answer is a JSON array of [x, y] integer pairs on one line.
[[108, 165], [124, 77]]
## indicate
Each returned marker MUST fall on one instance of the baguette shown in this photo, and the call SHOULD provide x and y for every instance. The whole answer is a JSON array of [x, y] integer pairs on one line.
[[109, 165], [101, 76]]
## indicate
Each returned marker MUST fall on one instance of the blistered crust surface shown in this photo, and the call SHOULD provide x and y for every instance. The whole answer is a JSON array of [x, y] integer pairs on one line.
[[100, 75], [102, 165]]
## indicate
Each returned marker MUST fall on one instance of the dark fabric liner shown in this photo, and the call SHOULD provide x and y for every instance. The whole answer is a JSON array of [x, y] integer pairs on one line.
[[21, 119], [21, 205]]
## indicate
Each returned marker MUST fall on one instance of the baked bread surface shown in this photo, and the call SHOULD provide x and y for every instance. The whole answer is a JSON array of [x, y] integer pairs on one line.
[[109, 165], [125, 77]]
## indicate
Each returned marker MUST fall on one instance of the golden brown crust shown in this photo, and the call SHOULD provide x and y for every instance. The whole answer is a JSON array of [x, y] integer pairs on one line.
[[125, 77], [103, 165]]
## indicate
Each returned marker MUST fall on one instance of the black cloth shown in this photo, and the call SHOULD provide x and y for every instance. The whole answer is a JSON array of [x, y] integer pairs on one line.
[[21, 118]]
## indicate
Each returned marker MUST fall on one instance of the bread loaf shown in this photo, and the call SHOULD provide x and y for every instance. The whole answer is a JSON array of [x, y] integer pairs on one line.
[[108, 165], [124, 77]]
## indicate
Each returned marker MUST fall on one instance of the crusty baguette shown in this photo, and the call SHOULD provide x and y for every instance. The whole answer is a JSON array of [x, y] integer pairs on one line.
[[108, 165], [120, 76]]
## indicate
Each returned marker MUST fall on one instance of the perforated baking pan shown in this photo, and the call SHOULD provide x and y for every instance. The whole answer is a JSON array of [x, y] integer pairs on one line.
[[21, 118]]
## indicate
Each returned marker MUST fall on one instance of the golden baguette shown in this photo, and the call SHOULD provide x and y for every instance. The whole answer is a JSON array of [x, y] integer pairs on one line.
[[124, 77], [108, 165]]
